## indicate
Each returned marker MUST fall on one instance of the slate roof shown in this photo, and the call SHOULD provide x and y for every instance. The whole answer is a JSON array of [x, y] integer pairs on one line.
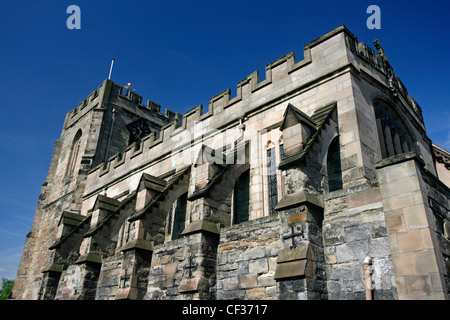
[[319, 118]]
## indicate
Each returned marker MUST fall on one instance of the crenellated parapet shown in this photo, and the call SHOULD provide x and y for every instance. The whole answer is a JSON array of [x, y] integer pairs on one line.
[[326, 57], [378, 60]]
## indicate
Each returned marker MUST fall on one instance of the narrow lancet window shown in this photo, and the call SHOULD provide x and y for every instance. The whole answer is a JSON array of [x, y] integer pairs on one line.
[[179, 220], [272, 180], [74, 153], [241, 198]]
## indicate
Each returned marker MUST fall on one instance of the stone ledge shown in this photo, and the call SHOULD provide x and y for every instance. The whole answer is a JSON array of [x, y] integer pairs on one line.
[[296, 263], [138, 244], [193, 284], [90, 257], [398, 159], [301, 252], [299, 198], [202, 226], [71, 219], [126, 294], [54, 267], [106, 203]]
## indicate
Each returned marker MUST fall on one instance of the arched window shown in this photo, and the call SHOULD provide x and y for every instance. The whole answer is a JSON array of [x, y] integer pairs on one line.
[[334, 170], [272, 176], [393, 136], [74, 153], [178, 210], [241, 198]]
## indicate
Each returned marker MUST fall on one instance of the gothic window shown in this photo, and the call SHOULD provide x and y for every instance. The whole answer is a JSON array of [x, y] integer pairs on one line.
[[334, 166], [281, 151], [74, 153], [272, 180], [394, 138], [179, 219], [241, 198], [138, 129], [124, 234]]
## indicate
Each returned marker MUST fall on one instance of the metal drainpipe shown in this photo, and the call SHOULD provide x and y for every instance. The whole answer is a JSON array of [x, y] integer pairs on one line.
[[110, 134], [368, 277]]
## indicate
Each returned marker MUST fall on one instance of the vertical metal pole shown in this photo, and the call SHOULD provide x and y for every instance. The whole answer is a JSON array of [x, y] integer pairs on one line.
[[110, 70], [110, 134]]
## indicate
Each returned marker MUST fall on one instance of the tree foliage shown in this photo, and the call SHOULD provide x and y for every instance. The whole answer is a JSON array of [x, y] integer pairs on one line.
[[6, 288]]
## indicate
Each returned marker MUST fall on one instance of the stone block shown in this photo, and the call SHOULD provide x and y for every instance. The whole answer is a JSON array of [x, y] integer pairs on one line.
[[294, 269], [410, 241], [401, 201], [379, 247], [364, 197], [395, 221], [254, 253], [256, 293], [271, 291], [298, 218], [415, 217], [267, 279], [352, 251], [302, 251], [356, 233], [346, 271], [418, 284], [194, 284], [169, 269], [258, 266], [248, 281], [231, 283]]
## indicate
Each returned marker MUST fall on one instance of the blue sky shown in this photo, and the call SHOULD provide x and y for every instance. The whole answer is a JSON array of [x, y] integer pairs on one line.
[[178, 54]]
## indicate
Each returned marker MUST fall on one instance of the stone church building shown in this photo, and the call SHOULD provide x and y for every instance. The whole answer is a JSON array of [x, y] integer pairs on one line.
[[318, 182]]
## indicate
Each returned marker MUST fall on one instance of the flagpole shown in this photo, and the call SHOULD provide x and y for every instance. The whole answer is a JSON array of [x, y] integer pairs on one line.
[[110, 70]]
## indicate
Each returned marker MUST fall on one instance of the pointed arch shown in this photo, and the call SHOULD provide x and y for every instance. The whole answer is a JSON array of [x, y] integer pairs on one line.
[[334, 168], [74, 151], [393, 135], [241, 198]]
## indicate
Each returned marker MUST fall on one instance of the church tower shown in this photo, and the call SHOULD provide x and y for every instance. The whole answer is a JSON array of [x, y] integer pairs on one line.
[[107, 122]]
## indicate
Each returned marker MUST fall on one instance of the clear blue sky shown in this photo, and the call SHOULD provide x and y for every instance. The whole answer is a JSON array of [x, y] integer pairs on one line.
[[178, 54]]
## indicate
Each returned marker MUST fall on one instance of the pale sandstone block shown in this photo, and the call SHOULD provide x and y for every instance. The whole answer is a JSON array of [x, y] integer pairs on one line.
[[415, 217], [395, 221], [410, 241], [248, 281], [402, 201]]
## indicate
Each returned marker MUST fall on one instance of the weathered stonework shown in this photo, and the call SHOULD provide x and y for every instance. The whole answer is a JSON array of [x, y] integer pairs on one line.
[[316, 183]]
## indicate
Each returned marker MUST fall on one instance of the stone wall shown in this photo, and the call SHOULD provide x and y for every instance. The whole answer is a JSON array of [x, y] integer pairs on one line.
[[246, 260], [439, 204], [354, 228], [416, 255], [109, 278], [184, 268]]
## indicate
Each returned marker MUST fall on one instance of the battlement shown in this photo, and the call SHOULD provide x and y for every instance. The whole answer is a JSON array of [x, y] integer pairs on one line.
[[325, 58], [111, 93]]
